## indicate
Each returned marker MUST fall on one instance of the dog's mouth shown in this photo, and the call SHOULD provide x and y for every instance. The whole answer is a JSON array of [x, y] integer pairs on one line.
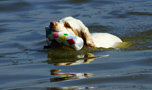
[[53, 29], [48, 32]]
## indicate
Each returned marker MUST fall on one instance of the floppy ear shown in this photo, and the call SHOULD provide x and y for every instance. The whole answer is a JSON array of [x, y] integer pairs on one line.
[[86, 36], [82, 31]]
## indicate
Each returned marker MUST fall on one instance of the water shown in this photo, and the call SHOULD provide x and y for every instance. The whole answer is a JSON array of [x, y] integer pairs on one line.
[[25, 65]]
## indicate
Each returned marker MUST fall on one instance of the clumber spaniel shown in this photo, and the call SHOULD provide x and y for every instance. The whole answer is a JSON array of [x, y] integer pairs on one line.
[[76, 27]]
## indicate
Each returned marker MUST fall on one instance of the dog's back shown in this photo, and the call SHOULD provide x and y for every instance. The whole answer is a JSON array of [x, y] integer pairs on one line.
[[105, 40]]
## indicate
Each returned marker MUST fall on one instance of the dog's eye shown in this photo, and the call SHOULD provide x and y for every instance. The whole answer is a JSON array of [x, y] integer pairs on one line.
[[67, 25]]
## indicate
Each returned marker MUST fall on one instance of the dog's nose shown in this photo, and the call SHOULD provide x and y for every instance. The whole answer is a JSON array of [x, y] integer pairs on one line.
[[53, 23]]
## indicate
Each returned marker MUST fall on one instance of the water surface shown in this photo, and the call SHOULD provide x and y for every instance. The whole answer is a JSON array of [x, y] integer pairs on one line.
[[26, 65]]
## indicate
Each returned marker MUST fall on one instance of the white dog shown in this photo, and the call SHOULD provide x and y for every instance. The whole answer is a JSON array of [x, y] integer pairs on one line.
[[76, 27]]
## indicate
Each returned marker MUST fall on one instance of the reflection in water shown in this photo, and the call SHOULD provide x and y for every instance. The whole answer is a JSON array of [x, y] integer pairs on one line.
[[70, 88], [68, 76], [79, 59], [71, 58], [67, 58]]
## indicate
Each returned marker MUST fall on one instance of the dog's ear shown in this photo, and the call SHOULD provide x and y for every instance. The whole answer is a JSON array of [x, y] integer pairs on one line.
[[86, 36], [82, 31]]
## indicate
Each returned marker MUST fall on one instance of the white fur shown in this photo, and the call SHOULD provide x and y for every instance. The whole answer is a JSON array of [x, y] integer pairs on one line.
[[75, 24], [104, 40]]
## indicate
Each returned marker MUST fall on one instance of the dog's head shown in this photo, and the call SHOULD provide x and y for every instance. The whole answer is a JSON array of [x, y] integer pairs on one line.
[[74, 27]]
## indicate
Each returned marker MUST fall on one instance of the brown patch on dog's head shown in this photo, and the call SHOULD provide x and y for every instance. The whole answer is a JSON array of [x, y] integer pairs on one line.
[[67, 25]]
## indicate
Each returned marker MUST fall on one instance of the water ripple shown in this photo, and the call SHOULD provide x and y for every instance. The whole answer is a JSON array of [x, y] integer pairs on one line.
[[25, 64]]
